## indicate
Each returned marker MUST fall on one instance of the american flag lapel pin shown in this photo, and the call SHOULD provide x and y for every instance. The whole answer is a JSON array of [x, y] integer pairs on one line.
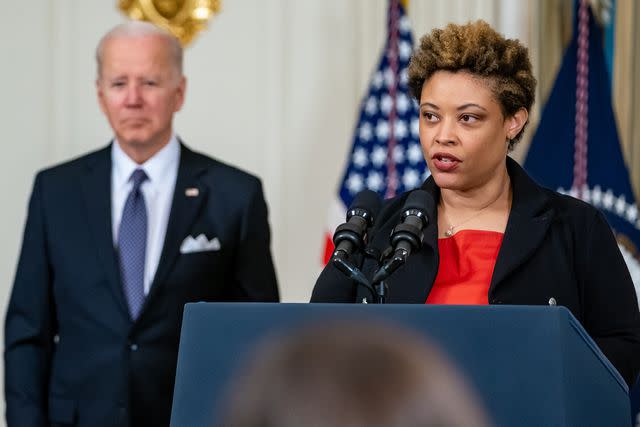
[[191, 192]]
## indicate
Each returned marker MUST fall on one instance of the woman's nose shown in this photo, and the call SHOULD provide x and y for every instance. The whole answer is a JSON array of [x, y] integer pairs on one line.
[[446, 132]]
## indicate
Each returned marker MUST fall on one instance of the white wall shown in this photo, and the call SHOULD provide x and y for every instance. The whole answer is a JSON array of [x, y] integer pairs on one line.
[[273, 87]]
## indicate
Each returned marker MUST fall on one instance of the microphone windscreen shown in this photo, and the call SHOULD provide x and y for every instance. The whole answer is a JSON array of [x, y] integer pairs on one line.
[[419, 199], [367, 200]]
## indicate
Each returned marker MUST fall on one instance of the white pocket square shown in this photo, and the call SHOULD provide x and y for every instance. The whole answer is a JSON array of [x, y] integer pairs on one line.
[[199, 244]]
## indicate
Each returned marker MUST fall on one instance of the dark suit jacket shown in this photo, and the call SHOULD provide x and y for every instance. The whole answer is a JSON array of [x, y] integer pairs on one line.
[[73, 356], [554, 246]]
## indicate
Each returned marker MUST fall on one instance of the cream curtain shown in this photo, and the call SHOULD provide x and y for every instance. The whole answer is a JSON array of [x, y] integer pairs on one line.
[[626, 87], [549, 29]]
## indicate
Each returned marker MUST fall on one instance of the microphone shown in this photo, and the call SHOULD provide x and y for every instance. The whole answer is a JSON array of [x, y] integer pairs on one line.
[[349, 236], [407, 236]]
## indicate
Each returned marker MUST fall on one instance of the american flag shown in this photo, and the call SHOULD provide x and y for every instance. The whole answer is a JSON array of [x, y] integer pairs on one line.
[[386, 156]]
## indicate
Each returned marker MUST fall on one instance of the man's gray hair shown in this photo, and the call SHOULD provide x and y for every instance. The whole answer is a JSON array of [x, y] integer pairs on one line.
[[140, 29]]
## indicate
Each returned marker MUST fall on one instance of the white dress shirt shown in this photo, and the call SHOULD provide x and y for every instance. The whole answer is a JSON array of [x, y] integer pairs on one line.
[[162, 171]]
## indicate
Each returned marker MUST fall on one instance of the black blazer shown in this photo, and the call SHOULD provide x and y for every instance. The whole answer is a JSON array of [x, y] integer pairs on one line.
[[554, 246], [73, 356]]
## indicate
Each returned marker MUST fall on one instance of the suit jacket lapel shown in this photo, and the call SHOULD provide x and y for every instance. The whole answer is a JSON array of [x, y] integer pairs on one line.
[[96, 190], [528, 223], [184, 210]]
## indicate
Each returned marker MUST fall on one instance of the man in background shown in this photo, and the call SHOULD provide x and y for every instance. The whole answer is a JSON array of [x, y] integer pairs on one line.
[[116, 242]]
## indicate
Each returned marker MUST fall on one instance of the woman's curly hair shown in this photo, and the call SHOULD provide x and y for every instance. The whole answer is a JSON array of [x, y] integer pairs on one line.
[[482, 51]]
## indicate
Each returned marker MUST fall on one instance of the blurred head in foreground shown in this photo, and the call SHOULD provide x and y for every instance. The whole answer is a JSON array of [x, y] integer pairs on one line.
[[351, 375]]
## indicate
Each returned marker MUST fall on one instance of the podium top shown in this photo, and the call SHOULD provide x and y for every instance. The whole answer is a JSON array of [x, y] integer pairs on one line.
[[527, 362]]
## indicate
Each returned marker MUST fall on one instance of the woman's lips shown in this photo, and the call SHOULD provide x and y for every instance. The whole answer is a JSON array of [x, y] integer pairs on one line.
[[445, 162]]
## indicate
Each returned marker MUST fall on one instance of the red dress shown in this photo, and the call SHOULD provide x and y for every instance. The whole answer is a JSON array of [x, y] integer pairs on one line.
[[466, 265]]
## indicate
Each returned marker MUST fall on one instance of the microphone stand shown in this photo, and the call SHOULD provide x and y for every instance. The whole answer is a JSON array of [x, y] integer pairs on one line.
[[385, 268], [378, 290], [381, 292], [353, 273]]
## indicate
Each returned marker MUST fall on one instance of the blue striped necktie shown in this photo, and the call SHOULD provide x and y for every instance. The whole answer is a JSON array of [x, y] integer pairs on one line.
[[132, 245]]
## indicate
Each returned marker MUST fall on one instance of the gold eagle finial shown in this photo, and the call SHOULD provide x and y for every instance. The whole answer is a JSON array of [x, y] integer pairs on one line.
[[183, 18]]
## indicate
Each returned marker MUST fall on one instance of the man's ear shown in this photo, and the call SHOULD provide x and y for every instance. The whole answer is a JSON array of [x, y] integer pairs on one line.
[[180, 93], [100, 95]]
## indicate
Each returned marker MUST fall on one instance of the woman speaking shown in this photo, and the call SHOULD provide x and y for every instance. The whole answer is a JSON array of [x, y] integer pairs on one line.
[[494, 236]]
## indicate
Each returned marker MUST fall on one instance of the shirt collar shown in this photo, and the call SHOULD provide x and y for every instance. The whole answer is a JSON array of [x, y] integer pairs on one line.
[[156, 168]]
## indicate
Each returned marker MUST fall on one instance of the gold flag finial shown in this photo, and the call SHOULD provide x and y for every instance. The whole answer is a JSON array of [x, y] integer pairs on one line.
[[182, 18], [602, 10]]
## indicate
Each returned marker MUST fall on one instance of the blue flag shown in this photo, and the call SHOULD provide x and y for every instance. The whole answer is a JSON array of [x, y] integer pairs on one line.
[[576, 149], [386, 155], [553, 156]]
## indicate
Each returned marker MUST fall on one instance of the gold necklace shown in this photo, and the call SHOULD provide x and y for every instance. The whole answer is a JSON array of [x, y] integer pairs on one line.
[[450, 230]]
